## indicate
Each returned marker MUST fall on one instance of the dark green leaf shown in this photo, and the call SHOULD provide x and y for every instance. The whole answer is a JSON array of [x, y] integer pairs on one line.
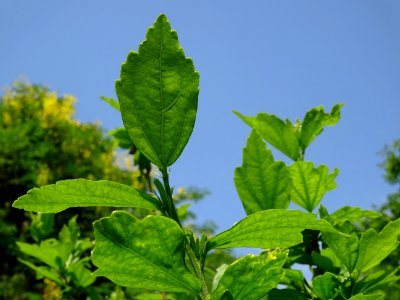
[[285, 294], [310, 184], [314, 122], [268, 229], [251, 277], [275, 131], [142, 254], [326, 286], [82, 193], [261, 183], [344, 246], [374, 247], [158, 93]]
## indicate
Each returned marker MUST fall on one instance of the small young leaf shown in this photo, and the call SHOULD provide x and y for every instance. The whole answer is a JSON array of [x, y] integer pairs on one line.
[[251, 277], [44, 271], [314, 122], [310, 184], [81, 193], [326, 286], [48, 252], [268, 229], [158, 94], [144, 254], [275, 131], [261, 183], [113, 103], [374, 247], [122, 137]]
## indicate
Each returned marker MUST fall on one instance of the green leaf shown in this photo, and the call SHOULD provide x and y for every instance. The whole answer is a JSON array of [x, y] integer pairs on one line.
[[326, 286], [374, 247], [47, 252], [378, 296], [142, 254], [310, 184], [353, 214], [275, 131], [285, 294], [268, 229], [80, 274], [344, 246], [43, 271], [122, 137], [251, 277], [261, 183], [314, 122], [376, 281], [41, 225], [82, 193], [158, 93], [113, 103]]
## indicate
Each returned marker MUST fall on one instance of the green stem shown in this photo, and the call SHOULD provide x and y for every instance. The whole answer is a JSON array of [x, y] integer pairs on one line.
[[199, 272], [188, 248]]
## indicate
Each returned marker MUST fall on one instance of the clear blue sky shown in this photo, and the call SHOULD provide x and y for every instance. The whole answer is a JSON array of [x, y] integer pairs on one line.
[[281, 57]]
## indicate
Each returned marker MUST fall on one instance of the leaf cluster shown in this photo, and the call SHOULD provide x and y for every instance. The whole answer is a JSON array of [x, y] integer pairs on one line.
[[157, 96]]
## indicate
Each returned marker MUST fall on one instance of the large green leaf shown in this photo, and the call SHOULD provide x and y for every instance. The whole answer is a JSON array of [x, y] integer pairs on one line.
[[261, 183], [142, 254], [251, 277], [274, 228], [374, 247], [158, 94], [378, 296], [81, 193], [314, 122], [310, 184], [275, 131]]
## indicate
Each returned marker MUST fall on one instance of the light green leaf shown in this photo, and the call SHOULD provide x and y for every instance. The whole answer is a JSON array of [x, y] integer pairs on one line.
[[47, 252], [82, 193], [379, 296], [275, 131], [374, 247], [158, 94], [113, 103], [326, 286], [310, 184], [43, 271], [261, 183], [80, 274], [377, 281], [314, 122], [142, 254], [354, 214], [268, 229], [251, 277]]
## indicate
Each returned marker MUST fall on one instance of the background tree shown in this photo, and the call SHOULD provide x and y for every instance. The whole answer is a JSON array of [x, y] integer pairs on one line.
[[41, 143]]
